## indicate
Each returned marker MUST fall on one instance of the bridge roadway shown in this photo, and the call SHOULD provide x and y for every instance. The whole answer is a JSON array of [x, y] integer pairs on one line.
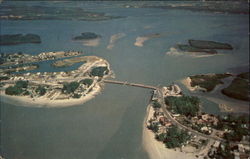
[[165, 111], [175, 122], [130, 84]]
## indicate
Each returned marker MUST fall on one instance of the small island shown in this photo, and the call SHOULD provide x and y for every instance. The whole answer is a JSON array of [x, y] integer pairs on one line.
[[202, 46], [87, 36], [13, 39], [57, 89]]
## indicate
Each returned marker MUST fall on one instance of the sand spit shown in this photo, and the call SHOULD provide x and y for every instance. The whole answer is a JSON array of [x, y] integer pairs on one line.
[[139, 42], [46, 102], [156, 149], [187, 83], [175, 52], [93, 43], [114, 38]]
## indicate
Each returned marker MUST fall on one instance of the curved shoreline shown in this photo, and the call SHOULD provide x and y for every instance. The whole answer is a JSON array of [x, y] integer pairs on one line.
[[43, 102], [156, 149], [225, 103], [55, 97]]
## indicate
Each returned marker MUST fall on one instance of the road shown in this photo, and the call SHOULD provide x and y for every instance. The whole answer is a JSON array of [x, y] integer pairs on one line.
[[175, 122]]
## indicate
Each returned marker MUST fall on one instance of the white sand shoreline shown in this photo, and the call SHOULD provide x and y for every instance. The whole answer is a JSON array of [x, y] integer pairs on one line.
[[156, 149], [46, 102]]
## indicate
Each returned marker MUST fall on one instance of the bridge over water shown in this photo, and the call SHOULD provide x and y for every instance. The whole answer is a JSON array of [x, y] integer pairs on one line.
[[130, 84]]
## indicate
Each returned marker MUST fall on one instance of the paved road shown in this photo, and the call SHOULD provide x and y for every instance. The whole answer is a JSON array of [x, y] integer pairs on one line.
[[175, 122]]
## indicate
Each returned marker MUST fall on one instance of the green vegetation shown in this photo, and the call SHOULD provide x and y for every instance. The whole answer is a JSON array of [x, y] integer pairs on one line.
[[99, 71], [174, 137], [41, 90], [156, 104], [154, 127], [244, 75], [76, 95], [204, 44], [13, 90], [239, 88], [225, 152], [186, 105], [208, 81], [22, 84], [70, 87], [87, 36], [194, 49], [87, 81], [238, 126], [17, 89], [4, 78], [19, 39]]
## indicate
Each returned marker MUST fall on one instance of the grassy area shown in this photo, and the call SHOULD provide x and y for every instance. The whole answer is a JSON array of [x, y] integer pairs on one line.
[[239, 88], [74, 60], [208, 81]]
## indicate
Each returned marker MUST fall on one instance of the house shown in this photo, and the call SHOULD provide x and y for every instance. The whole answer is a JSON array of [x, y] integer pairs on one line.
[[216, 144], [164, 121], [155, 95]]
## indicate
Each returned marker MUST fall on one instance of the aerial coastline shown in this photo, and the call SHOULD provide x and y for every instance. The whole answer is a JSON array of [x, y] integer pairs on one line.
[[182, 70], [58, 88]]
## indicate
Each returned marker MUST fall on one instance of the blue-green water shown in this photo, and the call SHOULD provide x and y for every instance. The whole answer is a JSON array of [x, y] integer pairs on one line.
[[110, 125]]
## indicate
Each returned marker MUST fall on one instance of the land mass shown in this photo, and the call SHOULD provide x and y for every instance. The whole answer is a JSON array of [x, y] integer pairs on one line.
[[23, 12], [176, 121], [203, 46], [87, 36], [13, 39], [57, 89]]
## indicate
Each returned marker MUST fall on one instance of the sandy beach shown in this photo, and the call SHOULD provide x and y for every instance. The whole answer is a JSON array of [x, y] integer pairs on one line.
[[140, 41], [114, 38], [156, 149], [94, 42], [187, 83], [46, 102]]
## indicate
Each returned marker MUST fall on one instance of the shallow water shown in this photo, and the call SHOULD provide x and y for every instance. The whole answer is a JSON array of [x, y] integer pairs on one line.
[[110, 125]]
